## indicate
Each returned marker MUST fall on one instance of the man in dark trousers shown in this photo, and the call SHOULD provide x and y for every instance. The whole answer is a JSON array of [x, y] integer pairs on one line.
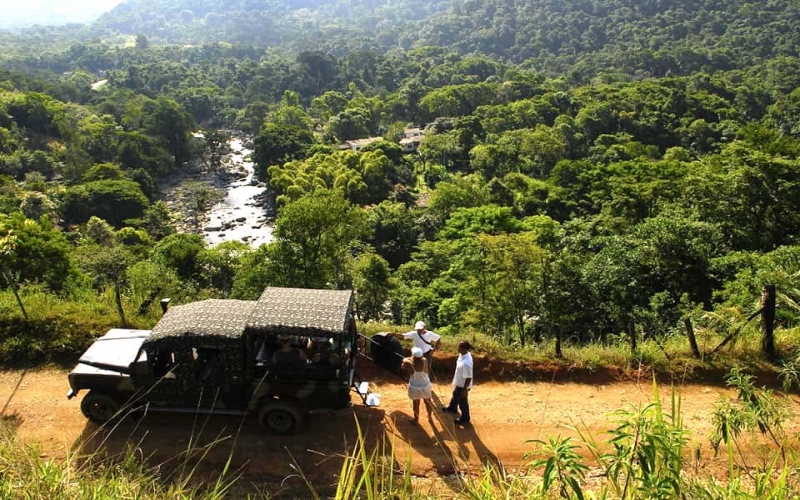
[[462, 383]]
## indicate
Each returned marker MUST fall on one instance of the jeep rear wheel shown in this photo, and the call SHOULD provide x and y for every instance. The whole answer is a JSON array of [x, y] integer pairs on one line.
[[99, 407], [279, 417]]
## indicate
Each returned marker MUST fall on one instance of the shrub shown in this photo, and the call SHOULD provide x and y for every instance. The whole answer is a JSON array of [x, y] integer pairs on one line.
[[40, 253], [43, 339], [180, 253], [112, 200]]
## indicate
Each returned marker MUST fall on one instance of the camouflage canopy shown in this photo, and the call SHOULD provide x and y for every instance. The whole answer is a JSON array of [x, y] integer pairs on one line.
[[301, 311], [279, 311], [212, 317]]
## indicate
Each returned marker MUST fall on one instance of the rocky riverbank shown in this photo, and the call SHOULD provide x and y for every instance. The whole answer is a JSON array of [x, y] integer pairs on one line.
[[246, 212]]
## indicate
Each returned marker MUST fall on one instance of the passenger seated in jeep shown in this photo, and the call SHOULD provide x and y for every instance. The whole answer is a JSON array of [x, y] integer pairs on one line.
[[163, 363], [264, 354], [208, 364], [288, 360], [324, 362]]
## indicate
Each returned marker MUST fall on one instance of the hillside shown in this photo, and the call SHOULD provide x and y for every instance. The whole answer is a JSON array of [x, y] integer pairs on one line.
[[581, 189], [636, 207], [574, 37], [652, 36]]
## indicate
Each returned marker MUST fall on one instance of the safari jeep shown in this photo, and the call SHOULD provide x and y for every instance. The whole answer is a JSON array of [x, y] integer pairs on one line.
[[219, 356]]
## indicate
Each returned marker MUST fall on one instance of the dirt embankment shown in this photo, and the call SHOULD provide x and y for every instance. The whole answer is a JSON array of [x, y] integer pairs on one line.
[[499, 370]]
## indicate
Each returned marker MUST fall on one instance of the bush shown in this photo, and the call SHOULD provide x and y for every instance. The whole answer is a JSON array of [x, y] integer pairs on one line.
[[111, 200], [40, 254], [59, 328], [179, 252], [44, 339]]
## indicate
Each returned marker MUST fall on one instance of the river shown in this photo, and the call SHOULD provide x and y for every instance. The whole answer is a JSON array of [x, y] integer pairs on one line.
[[240, 216]]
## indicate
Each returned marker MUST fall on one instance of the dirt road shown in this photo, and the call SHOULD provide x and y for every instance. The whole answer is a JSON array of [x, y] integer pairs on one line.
[[505, 416]]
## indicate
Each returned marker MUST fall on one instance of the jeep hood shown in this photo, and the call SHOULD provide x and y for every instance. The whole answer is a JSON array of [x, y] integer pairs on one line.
[[115, 350]]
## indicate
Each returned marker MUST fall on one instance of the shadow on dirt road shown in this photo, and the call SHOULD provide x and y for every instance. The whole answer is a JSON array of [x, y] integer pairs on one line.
[[315, 453], [205, 444]]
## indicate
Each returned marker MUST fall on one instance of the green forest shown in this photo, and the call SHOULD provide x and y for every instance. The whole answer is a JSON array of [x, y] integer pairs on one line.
[[605, 171], [588, 188]]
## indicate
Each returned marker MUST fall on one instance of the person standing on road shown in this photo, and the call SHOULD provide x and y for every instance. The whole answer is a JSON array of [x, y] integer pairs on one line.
[[419, 383], [423, 338], [462, 383]]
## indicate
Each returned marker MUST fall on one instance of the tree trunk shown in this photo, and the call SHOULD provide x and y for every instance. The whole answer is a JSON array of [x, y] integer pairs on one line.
[[537, 334], [118, 300], [687, 324], [632, 335], [149, 300], [13, 284], [520, 324], [768, 321], [559, 353]]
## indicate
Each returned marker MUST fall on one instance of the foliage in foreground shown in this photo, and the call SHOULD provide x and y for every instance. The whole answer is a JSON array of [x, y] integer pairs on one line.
[[27, 474]]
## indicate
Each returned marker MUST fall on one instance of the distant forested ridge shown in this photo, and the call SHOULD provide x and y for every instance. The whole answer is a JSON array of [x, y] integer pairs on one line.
[[579, 37], [653, 36]]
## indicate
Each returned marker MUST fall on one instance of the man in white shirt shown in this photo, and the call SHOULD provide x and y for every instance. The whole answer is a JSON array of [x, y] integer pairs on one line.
[[462, 383], [423, 338]]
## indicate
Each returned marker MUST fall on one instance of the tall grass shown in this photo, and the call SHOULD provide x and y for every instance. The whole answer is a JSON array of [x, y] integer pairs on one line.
[[646, 454], [26, 474], [370, 474], [671, 355]]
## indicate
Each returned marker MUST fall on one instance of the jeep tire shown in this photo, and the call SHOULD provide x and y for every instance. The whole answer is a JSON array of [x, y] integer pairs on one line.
[[279, 417], [100, 407]]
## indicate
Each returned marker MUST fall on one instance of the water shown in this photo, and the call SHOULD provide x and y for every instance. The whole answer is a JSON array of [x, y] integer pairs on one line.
[[225, 219]]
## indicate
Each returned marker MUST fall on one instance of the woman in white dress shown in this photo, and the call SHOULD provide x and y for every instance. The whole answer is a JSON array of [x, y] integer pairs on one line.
[[419, 383]]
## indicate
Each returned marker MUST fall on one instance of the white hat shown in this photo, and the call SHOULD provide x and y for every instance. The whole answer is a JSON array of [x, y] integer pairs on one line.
[[416, 352], [420, 325]]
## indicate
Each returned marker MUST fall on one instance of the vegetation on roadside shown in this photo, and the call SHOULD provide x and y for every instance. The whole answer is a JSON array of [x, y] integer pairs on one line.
[[26, 473], [59, 330]]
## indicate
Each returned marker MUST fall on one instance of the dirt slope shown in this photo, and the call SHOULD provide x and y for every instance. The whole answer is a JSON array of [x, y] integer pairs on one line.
[[505, 416]]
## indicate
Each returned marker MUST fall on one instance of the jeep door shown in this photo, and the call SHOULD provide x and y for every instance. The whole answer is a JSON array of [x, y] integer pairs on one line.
[[169, 379]]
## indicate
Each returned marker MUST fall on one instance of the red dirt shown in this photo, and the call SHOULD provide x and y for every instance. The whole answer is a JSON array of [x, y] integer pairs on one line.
[[505, 416]]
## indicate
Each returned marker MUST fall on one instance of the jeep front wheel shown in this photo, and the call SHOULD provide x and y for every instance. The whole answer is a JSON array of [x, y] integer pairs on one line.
[[279, 417], [99, 407]]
